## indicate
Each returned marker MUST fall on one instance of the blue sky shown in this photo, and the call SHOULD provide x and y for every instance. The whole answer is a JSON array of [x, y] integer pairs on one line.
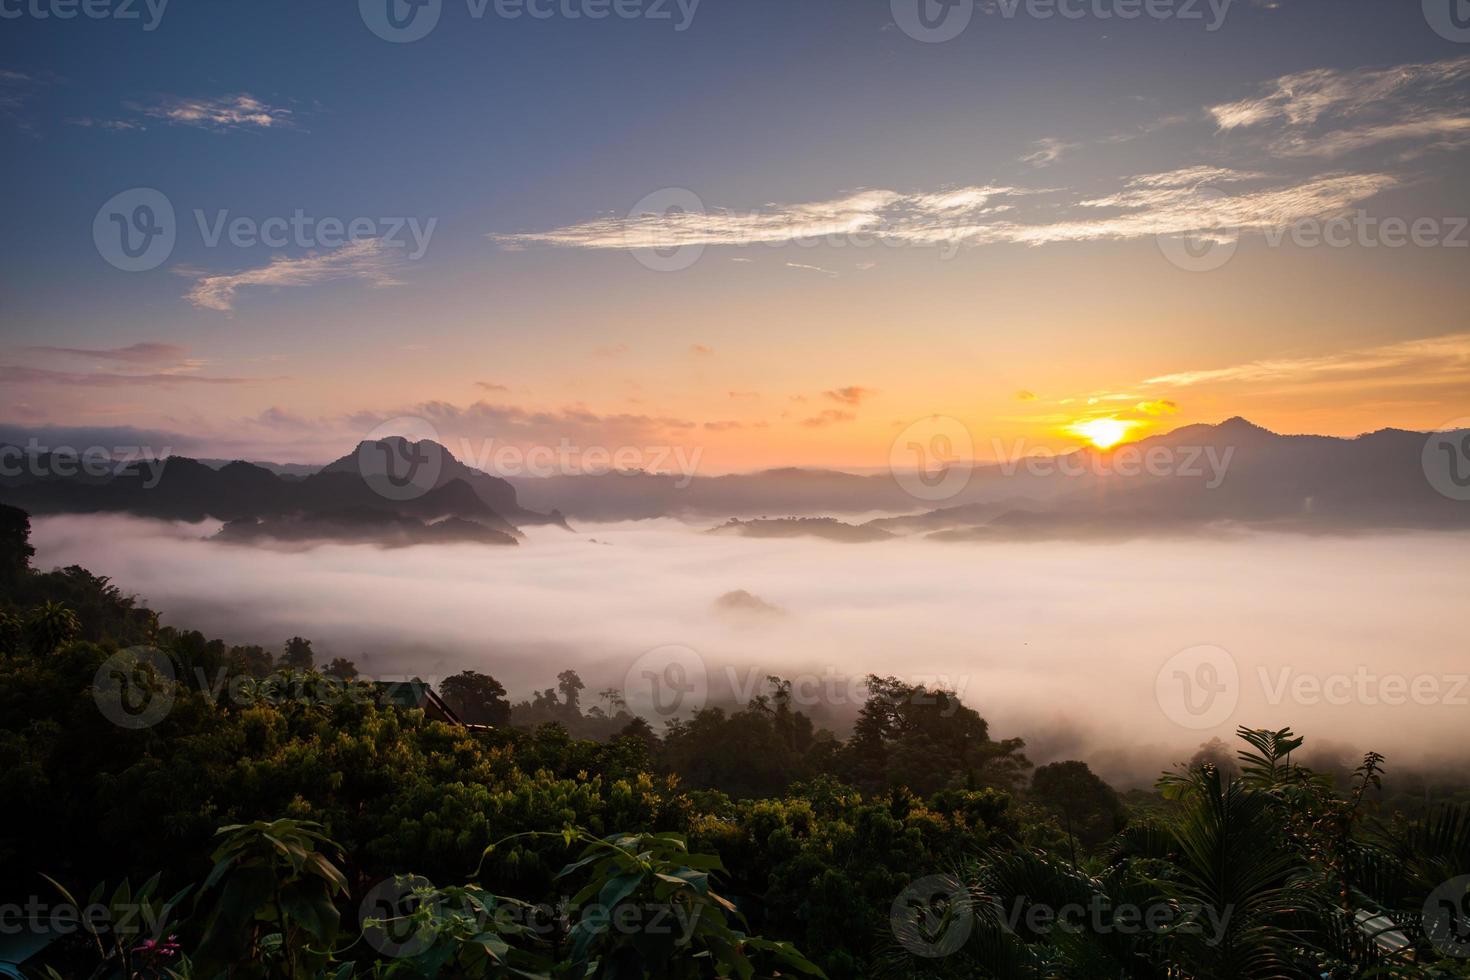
[[515, 137]]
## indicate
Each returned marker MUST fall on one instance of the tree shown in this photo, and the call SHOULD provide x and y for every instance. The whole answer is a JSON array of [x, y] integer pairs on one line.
[[342, 669], [15, 546], [49, 626], [298, 655], [1091, 812], [570, 685], [478, 699]]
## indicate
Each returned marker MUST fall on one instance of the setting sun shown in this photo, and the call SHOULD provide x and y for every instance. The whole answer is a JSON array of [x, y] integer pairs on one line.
[[1102, 433]]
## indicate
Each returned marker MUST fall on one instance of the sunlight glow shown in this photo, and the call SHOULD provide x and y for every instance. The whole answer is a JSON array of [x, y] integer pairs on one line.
[[1102, 433]]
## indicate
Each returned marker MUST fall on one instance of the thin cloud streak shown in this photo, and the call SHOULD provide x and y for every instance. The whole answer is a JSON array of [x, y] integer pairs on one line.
[[1328, 113], [1438, 359], [367, 260], [1148, 204]]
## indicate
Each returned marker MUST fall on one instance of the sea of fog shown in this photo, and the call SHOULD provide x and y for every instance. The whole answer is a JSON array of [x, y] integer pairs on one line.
[[1127, 654]]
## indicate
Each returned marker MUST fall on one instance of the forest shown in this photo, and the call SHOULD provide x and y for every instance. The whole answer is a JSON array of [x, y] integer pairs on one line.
[[176, 806]]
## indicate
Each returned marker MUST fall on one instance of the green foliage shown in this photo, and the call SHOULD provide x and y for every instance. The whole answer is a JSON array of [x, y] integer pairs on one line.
[[50, 625], [273, 897], [742, 823], [133, 932], [478, 699]]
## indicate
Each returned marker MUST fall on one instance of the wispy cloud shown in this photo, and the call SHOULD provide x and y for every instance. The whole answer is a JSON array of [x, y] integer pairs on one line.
[[367, 260], [1048, 151], [17, 374], [1434, 360], [1172, 202], [813, 268], [242, 111], [142, 353], [830, 416], [220, 114], [851, 395], [147, 363], [1329, 112], [873, 212]]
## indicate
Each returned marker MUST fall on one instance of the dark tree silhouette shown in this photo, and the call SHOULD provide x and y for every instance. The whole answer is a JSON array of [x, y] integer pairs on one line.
[[298, 655], [478, 699]]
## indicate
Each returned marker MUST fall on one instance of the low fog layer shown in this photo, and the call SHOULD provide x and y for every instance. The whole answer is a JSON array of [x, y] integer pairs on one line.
[[1060, 643]]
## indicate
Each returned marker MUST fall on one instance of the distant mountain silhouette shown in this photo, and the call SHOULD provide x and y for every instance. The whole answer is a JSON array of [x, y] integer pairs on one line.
[[1232, 472], [361, 526], [365, 481], [1192, 479], [801, 527], [741, 603]]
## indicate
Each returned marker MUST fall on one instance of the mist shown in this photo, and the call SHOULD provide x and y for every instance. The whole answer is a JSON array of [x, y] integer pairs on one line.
[[1060, 643]]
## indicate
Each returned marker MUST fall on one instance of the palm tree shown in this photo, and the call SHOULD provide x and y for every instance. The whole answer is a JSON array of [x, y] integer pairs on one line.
[[51, 625]]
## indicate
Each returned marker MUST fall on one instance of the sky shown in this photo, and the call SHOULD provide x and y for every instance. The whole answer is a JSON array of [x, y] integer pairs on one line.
[[780, 233]]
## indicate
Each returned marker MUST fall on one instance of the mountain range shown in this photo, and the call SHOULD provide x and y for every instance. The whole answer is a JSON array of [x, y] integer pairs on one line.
[[351, 498], [1193, 478]]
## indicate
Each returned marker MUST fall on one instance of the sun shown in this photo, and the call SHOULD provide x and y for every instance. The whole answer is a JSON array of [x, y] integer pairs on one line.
[[1102, 433]]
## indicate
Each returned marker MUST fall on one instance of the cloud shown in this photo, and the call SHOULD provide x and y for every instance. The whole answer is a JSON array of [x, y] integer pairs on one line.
[[1162, 406], [813, 268], [1047, 152], [141, 353], [367, 260], [119, 125], [613, 350], [828, 417], [1025, 396], [1320, 114], [851, 395], [1434, 360], [17, 374], [743, 395], [17, 90], [82, 437], [491, 386], [511, 424], [279, 418], [242, 111], [1170, 202], [701, 349], [861, 212], [1329, 112]]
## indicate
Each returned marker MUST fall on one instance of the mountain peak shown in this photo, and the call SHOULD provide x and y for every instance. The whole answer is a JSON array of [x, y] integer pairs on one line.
[[1240, 424]]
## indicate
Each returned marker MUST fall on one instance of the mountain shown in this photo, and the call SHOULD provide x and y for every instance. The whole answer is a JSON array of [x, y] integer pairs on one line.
[[429, 486], [827, 528], [1235, 473], [360, 526], [1198, 477]]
